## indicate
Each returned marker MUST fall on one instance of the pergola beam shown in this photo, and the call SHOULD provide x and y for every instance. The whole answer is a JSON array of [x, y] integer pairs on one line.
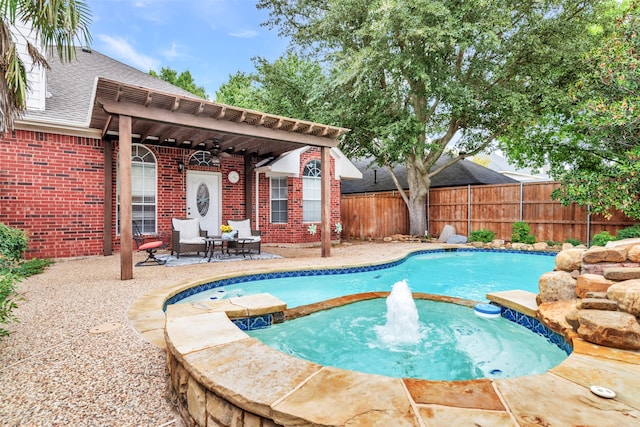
[[188, 120]]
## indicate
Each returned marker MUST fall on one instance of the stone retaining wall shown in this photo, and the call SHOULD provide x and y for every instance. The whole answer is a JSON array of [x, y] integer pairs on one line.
[[599, 291]]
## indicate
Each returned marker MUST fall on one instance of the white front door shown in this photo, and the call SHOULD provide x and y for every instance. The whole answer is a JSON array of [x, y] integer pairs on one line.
[[204, 199]]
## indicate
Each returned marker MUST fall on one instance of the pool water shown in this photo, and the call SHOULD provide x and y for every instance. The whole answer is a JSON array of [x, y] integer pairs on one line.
[[463, 274], [454, 343]]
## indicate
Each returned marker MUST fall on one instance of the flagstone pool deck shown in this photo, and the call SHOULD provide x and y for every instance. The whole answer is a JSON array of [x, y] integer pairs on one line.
[[265, 383]]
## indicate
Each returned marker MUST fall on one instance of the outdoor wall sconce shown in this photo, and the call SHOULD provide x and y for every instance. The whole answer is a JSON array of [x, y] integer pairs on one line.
[[180, 166]]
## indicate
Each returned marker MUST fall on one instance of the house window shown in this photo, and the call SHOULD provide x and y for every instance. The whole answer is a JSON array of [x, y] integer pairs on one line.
[[311, 194], [204, 158], [143, 189], [279, 202]]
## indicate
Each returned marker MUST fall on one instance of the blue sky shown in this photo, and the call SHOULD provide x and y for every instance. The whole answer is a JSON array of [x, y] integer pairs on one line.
[[210, 38]]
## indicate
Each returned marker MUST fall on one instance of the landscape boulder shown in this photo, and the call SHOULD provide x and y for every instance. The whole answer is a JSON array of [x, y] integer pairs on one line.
[[627, 295], [556, 286], [497, 244], [447, 231], [540, 246], [609, 328], [633, 254], [587, 283], [457, 239], [597, 254], [569, 259]]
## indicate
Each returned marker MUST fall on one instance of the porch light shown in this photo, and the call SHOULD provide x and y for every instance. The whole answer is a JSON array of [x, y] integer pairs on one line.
[[180, 166]]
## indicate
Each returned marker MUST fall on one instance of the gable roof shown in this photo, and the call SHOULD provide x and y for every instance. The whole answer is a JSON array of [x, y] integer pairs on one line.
[[376, 178], [71, 86]]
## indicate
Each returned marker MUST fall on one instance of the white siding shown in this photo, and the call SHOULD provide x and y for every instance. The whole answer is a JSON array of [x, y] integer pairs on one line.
[[36, 95]]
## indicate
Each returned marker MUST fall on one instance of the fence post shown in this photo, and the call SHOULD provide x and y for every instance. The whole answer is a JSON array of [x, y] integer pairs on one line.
[[428, 214], [588, 225], [468, 209], [521, 199]]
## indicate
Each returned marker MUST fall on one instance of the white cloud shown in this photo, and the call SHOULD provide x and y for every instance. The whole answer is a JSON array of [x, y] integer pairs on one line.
[[173, 52], [245, 34], [120, 49]]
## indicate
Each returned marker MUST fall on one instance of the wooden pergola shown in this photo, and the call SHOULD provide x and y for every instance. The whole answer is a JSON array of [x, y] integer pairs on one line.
[[129, 113]]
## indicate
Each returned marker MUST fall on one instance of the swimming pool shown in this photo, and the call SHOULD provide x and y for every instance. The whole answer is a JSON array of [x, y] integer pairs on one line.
[[463, 273]]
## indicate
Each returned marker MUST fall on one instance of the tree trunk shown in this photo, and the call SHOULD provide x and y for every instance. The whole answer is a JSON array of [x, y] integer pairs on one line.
[[419, 183]]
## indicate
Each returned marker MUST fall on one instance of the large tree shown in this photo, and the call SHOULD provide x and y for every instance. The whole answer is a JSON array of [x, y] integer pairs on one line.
[[415, 79], [594, 149], [183, 80], [289, 86], [56, 24]]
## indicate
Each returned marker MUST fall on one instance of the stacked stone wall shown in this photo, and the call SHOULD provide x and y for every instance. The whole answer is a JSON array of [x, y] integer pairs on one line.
[[602, 287]]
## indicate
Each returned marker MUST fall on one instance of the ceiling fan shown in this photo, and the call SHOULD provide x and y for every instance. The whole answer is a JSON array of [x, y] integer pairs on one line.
[[213, 147]]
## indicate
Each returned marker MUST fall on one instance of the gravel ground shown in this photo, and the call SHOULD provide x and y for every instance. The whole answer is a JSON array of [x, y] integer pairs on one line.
[[74, 360]]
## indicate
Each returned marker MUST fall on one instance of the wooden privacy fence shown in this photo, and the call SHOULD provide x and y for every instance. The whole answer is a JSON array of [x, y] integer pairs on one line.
[[470, 208]]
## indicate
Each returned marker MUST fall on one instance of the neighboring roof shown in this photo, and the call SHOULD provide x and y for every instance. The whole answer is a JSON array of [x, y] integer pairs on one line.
[[70, 86], [464, 172], [501, 164]]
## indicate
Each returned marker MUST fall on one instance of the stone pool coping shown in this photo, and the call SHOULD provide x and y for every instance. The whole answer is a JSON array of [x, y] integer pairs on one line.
[[231, 373]]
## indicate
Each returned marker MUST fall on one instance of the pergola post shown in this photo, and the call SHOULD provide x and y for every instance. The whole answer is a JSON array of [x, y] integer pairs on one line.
[[325, 200], [126, 218]]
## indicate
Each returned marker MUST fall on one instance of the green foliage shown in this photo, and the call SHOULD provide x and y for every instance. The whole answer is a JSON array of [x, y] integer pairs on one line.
[[601, 238], [415, 80], [13, 242], [629, 232], [592, 139], [482, 235], [8, 299], [32, 267], [289, 86], [58, 25], [521, 233], [183, 80], [574, 242]]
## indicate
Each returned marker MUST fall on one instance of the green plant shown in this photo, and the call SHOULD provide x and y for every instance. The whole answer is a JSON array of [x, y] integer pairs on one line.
[[601, 238], [482, 235], [32, 267], [574, 242], [8, 298], [629, 232], [521, 233], [13, 242]]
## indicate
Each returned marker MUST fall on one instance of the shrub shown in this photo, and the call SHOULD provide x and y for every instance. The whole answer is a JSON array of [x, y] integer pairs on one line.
[[8, 298], [482, 235], [601, 238], [521, 233], [574, 242], [629, 232], [13, 242]]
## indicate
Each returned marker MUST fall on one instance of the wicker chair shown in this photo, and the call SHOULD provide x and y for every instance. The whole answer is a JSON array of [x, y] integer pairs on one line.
[[187, 236], [243, 227]]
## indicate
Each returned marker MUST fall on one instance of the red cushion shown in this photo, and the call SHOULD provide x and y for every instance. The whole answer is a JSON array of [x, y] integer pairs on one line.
[[151, 245]]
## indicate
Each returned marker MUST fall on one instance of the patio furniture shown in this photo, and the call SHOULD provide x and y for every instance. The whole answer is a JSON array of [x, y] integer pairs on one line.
[[227, 245], [252, 237], [150, 247], [187, 236]]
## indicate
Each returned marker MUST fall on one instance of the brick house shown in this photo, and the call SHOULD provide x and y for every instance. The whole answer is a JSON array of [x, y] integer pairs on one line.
[[62, 170]]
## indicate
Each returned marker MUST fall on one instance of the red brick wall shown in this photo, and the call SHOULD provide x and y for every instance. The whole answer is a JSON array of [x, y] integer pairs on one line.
[[51, 186], [296, 231]]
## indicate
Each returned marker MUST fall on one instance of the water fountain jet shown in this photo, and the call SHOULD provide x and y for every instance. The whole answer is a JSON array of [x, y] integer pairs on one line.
[[403, 325]]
